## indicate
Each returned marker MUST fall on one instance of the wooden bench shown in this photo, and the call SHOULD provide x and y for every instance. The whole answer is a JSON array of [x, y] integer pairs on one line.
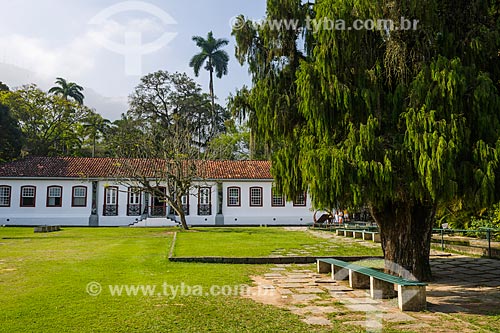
[[411, 294]]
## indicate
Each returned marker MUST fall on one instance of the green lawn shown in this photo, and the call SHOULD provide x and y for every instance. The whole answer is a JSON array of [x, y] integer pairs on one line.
[[260, 242], [43, 280]]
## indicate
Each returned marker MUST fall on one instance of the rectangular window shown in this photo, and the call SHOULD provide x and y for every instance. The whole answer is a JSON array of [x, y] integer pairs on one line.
[[278, 200], [204, 195], [54, 196], [233, 196], [204, 201], [79, 198], [110, 201], [28, 196], [134, 201], [256, 196], [134, 196], [5, 192], [300, 200]]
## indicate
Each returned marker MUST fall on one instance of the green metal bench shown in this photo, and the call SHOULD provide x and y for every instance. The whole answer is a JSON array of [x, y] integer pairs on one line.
[[411, 294]]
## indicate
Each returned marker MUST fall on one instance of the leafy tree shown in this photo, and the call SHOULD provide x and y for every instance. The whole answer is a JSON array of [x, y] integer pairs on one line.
[[11, 138], [68, 89], [123, 137], [173, 164], [48, 122], [234, 144], [215, 59], [95, 126], [166, 99], [404, 121]]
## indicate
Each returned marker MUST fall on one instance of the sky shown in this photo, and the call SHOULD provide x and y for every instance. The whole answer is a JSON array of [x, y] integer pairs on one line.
[[107, 45]]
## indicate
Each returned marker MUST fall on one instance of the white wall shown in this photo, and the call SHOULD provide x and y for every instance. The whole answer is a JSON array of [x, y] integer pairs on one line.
[[289, 214], [40, 214], [79, 216]]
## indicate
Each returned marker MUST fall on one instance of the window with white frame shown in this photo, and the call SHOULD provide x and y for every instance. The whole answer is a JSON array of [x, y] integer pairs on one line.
[[204, 195], [111, 201], [134, 201], [204, 201], [28, 196], [278, 200], [79, 197], [5, 192], [134, 196], [256, 196], [54, 196], [233, 196]]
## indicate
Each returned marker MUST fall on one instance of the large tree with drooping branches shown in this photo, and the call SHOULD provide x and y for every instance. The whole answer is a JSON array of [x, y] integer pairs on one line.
[[400, 120]]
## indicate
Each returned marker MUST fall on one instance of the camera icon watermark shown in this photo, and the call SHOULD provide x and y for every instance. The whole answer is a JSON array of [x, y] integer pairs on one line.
[[133, 47]]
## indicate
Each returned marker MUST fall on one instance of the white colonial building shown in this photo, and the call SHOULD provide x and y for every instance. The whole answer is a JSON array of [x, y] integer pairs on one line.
[[72, 191]]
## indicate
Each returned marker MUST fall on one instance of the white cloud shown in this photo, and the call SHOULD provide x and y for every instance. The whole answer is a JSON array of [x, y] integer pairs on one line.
[[74, 58]]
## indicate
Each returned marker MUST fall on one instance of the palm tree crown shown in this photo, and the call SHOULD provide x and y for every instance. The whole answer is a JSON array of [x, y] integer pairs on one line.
[[211, 54], [68, 89]]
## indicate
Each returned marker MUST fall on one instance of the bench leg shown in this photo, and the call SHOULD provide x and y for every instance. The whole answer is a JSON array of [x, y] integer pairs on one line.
[[381, 289], [339, 273], [323, 267], [358, 280], [412, 298]]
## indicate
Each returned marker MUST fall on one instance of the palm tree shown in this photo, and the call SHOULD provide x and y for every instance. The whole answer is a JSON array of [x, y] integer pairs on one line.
[[96, 125], [215, 59], [68, 89]]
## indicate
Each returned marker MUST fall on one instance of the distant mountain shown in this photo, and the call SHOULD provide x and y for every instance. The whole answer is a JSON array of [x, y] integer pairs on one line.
[[109, 107]]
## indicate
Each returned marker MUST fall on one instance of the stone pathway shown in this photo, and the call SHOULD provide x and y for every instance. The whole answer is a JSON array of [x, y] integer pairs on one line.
[[462, 285]]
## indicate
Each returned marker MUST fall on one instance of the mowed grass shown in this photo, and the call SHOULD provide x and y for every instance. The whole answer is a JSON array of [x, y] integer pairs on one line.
[[261, 242], [43, 281]]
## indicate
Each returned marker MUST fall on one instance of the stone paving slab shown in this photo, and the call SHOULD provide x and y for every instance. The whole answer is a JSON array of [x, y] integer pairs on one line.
[[297, 276], [295, 281], [315, 310], [273, 275], [291, 285], [374, 325], [302, 271], [339, 288], [285, 292], [310, 291], [397, 317], [304, 297], [317, 321], [361, 307], [356, 300]]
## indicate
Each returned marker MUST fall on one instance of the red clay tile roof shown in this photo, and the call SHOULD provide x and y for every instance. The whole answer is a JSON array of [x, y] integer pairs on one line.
[[81, 167]]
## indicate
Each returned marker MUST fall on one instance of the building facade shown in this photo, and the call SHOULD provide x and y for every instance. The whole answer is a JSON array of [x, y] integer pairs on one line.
[[71, 191]]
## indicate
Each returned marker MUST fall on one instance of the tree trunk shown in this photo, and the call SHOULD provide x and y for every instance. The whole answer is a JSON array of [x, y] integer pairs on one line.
[[212, 96], [405, 231], [182, 216]]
